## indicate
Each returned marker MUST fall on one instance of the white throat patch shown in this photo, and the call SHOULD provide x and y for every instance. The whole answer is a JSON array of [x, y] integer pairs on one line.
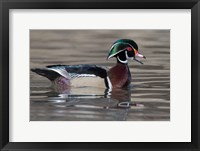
[[125, 61]]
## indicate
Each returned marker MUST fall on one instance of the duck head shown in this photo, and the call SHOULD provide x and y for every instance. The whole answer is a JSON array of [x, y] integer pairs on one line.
[[124, 50]]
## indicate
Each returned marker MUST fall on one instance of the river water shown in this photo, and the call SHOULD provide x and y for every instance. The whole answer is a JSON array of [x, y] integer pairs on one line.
[[148, 98]]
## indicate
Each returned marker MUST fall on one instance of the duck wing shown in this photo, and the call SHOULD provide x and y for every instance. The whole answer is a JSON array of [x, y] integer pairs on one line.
[[84, 74], [76, 71]]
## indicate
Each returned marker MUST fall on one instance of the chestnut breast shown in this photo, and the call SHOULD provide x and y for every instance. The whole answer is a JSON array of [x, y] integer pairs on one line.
[[119, 75]]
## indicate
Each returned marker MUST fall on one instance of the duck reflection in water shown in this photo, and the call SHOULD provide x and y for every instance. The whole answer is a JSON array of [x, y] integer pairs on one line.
[[117, 98]]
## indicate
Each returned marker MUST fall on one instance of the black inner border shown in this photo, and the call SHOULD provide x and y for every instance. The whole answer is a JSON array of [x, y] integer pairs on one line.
[[5, 5]]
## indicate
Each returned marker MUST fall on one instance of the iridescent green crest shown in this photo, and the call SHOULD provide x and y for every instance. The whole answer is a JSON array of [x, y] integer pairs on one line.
[[121, 45], [116, 48]]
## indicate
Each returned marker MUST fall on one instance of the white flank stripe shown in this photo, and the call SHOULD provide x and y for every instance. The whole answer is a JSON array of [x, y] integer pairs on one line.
[[109, 83]]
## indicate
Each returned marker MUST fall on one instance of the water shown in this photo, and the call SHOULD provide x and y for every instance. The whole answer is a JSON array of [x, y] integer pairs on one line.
[[148, 99]]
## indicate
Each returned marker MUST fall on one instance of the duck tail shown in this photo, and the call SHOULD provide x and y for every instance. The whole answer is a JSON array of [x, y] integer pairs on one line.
[[51, 75]]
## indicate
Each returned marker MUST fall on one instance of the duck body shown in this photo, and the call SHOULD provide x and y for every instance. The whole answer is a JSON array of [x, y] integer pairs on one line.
[[65, 76], [118, 76]]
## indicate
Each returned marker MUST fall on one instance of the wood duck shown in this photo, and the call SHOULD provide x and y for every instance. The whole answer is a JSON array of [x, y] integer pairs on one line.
[[119, 76]]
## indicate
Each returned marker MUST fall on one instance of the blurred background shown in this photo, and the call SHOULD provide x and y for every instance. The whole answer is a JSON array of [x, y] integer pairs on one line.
[[148, 99]]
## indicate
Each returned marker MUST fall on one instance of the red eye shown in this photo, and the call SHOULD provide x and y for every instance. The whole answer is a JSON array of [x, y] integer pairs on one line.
[[129, 48]]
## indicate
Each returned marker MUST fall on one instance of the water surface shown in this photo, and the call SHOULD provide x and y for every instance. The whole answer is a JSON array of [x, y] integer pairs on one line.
[[148, 98]]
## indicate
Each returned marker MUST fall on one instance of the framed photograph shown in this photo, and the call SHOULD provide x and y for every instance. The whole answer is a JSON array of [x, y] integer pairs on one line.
[[99, 75]]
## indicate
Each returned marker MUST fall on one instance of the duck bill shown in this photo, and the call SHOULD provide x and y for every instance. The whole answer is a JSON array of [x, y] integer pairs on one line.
[[138, 61], [140, 56]]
